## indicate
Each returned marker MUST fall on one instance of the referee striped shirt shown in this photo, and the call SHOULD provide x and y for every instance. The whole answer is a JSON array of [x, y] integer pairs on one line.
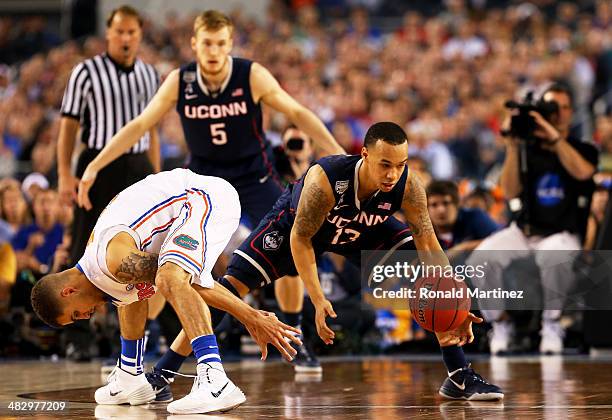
[[104, 96]]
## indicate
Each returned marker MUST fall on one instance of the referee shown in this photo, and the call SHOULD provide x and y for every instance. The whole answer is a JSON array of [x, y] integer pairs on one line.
[[103, 94]]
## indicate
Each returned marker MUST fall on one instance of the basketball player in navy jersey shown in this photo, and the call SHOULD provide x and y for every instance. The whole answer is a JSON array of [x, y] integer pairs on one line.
[[218, 98], [344, 204]]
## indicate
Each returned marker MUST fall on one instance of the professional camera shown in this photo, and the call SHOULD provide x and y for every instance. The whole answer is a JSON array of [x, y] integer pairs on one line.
[[523, 125], [295, 143]]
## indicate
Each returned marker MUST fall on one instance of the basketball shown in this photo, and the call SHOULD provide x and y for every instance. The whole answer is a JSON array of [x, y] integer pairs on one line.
[[440, 303]]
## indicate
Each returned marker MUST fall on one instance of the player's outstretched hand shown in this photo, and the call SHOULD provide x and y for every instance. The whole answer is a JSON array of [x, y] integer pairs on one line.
[[85, 184], [461, 335], [266, 328], [323, 310]]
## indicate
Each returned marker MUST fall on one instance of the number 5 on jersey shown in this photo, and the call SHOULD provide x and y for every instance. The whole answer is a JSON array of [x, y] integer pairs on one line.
[[218, 134]]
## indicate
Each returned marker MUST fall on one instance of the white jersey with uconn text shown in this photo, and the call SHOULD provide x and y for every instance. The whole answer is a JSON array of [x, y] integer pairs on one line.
[[185, 218]]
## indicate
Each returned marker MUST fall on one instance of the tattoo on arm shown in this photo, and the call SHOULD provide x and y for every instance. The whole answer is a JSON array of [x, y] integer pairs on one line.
[[313, 209], [415, 205], [137, 268]]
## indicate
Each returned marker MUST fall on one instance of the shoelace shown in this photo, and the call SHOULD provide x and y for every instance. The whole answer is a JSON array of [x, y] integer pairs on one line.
[[111, 376], [477, 377], [197, 378], [158, 373]]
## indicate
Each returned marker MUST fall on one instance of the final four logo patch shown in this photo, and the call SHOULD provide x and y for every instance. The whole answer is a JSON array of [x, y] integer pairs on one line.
[[186, 241], [341, 186]]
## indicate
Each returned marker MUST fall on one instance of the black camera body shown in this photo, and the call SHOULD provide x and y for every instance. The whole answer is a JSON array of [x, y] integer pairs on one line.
[[523, 125], [295, 143]]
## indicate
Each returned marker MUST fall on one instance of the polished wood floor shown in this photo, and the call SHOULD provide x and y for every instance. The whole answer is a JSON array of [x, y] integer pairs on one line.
[[390, 388]]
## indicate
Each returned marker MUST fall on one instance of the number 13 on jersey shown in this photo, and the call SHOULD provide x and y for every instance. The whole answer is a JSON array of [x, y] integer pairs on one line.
[[218, 134]]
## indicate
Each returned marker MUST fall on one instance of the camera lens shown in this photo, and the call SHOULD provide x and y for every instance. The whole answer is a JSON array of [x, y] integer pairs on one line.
[[295, 143]]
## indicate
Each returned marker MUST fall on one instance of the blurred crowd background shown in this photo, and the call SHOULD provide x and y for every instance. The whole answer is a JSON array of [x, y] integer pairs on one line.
[[442, 70]]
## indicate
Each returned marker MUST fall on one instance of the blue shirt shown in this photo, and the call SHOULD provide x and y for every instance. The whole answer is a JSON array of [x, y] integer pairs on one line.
[[43, 253], [471, 224]]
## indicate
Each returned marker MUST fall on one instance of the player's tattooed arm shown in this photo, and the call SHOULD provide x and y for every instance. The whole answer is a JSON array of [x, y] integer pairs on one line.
[[414, 205], [415, 210], [137, 267], [316, 201], [127, 263]]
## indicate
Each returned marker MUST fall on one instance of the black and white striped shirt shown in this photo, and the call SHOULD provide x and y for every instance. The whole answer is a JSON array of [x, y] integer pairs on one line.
[[105, 96]]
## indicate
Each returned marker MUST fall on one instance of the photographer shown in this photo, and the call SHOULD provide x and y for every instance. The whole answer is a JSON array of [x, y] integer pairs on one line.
[[546, 177], [295, 155]]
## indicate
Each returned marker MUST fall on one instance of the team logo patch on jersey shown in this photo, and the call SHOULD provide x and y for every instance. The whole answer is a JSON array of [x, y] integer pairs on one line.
[[187, 242], [341, 186], [129, 287], [189, 76], [272, 241]]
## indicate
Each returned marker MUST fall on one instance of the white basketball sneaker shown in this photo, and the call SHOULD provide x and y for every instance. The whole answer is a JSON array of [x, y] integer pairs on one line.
[[211, 391], [125, 388], [499, 337], [552, 337]]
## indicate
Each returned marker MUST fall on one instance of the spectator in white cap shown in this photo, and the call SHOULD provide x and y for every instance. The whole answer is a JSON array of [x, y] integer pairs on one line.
[[32, 184]]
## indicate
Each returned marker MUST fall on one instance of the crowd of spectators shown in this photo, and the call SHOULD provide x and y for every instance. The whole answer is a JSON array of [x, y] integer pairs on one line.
[[444, 77]]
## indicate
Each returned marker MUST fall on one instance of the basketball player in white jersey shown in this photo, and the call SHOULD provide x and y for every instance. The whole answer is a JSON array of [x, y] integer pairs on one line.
[[162, 234]]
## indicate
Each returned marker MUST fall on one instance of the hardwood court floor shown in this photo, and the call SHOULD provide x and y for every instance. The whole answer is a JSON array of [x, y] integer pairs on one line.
[[542, 388]]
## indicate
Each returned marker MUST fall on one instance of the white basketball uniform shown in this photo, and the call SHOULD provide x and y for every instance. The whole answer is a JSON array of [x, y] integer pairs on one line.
[[186, 218]]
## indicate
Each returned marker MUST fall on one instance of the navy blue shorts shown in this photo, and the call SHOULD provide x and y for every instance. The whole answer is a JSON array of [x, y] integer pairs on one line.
[[265, 255], [258, 187]]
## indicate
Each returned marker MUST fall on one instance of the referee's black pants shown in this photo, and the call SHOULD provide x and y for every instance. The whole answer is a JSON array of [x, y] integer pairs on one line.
[[117, 176]]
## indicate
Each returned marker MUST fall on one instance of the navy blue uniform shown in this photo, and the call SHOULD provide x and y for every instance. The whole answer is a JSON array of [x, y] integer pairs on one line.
[[225, 137], [351, 226]]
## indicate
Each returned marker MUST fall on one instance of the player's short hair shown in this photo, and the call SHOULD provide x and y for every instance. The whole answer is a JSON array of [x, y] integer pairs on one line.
[[440, 187], [386, 131], [45, 299], [124, 10], [212, 20]]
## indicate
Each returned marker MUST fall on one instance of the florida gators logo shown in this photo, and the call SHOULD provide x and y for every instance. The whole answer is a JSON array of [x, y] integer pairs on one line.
[[186, 241]]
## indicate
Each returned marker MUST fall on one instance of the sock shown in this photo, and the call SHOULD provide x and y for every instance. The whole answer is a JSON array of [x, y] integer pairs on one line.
[[454, 358], [172, 361], [132, 352], [206, 351], [294, 320]]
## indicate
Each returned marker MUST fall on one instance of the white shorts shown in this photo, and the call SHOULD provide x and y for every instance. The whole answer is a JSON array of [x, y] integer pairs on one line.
[[201, 232]]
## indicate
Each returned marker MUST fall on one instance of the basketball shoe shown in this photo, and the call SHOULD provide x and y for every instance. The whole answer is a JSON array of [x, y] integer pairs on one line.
[[499, 337], [125, 388], [465, 384], [552, 337], [305, 361], [161, 385], [211, 391]]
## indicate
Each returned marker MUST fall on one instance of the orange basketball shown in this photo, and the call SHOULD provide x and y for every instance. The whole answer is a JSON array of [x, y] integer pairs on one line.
[[440, 303]]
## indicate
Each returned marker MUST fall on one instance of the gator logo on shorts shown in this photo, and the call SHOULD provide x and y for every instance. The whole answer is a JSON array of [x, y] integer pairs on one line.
[[272, 241], [187, 242]]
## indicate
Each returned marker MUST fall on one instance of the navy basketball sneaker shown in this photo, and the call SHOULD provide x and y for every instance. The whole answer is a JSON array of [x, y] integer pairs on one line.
[[305, 361], [465, 384], [161, 385]]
